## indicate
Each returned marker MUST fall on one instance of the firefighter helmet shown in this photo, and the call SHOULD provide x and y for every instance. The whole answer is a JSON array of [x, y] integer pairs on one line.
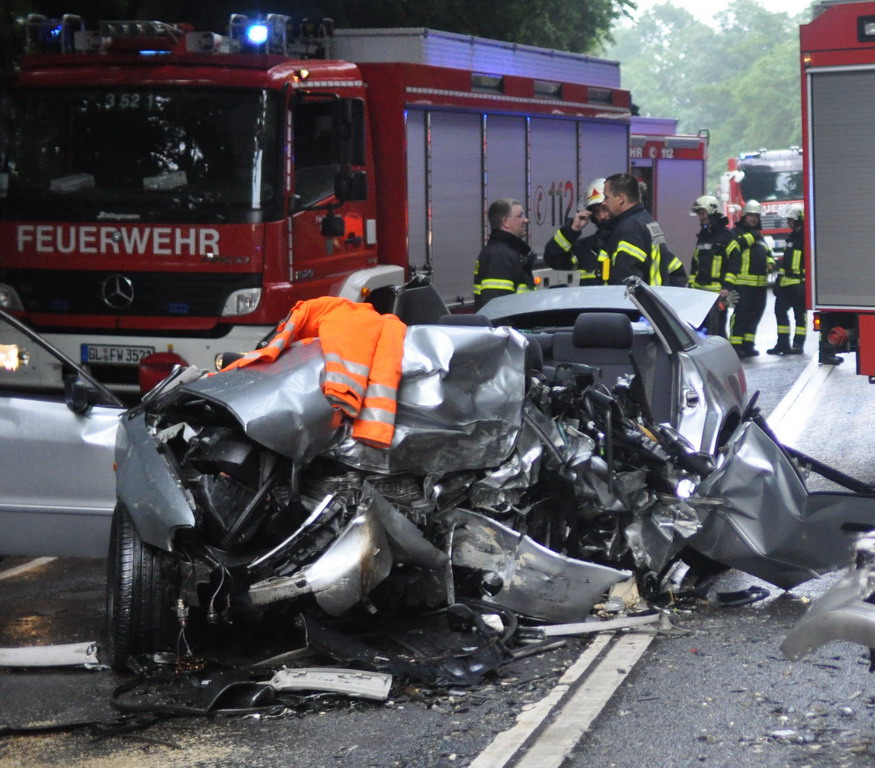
[[795, 212], [752, 206], [707, 203], [595, 193]]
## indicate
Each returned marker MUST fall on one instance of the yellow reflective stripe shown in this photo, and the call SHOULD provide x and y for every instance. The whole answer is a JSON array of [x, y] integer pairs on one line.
[[522, 288], [634, 251], [496, 284], [606, 265], [655, 272], [562, 241], [716, 267], [584, 275], [757, 281]]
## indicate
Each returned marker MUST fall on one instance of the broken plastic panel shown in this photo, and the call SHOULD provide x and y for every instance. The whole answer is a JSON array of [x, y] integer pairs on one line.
[[844, 612], [535, 580]]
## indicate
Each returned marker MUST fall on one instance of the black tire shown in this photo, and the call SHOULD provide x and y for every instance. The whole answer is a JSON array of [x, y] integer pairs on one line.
[[140, 595]]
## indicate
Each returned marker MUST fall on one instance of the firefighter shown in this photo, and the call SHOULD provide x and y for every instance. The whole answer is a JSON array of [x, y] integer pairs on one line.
[[568, 250], [714, 246], [747, 272], [790, 289], [635, 246], [504, 266]]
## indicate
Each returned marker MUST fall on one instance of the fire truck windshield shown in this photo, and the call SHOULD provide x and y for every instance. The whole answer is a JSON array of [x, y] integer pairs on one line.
[[767, 185], [200, 155]]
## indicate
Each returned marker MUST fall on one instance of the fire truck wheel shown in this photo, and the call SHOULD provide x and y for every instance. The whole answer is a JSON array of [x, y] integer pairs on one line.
[[140, 616]]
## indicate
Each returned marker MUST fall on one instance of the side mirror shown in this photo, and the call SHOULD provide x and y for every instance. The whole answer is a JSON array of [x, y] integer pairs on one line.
[[351, 185], [77, 396], [333, 226]]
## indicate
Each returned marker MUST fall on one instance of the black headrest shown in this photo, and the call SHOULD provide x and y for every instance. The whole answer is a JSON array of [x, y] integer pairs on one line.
[[609, 330], [477, 320]]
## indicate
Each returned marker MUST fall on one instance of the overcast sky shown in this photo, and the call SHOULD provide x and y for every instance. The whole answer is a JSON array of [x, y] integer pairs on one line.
[[704, 11]]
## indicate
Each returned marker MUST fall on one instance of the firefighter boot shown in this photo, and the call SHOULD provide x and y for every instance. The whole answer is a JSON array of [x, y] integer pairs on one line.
[[798, 346], [781, 348], [750, 350], [828, 357]]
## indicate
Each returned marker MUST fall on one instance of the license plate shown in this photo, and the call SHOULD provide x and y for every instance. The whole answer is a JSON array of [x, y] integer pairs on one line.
[[114, 354]]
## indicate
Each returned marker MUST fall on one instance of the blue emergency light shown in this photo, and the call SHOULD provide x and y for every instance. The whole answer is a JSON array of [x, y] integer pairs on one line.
[[257, 33]]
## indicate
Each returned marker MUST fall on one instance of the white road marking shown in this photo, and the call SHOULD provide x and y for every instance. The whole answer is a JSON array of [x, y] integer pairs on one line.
[[788, 420], [24, 567], [561, 737], [506, 745]]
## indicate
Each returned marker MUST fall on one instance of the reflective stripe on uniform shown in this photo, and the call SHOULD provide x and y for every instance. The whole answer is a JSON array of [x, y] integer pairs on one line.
[[497, 284], [354, 368], [624, 246], [562, 241]]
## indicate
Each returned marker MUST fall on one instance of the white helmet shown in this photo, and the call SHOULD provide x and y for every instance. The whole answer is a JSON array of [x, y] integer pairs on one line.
[[794, 212], [595, 193], [707, 203], [752, 206]]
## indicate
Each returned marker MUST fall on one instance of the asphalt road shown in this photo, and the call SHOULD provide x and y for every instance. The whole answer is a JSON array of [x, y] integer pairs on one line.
[[716, 692]]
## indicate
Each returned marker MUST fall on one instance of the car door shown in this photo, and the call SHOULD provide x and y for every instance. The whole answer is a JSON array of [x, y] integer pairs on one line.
[[57, 484], [708, 389]]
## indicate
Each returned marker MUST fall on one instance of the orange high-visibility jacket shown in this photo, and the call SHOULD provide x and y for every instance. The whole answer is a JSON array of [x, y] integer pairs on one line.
[[363, 351]]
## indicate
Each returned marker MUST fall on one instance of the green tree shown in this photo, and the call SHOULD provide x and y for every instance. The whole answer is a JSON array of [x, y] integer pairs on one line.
[[738, 78], [580, 26]]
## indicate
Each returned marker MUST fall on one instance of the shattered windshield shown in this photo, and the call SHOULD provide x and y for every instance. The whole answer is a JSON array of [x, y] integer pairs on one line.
[[762, 184], [151, 153]]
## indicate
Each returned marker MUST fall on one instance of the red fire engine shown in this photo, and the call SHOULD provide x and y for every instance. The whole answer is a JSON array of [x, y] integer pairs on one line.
[[170, 191], [672, 170], [772, 177], [838, 72]]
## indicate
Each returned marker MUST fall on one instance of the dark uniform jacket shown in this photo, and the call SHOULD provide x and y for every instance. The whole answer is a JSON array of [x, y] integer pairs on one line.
[[636, 247], [751, 263], [567, 250], [792, 271], [714, 247], [504, 267]]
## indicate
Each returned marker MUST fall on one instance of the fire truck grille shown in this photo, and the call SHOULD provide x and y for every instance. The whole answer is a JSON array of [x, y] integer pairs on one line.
[[774, 221], [145, 294]]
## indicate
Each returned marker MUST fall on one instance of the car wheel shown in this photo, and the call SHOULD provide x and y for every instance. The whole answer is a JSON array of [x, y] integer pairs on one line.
[[140, 595]]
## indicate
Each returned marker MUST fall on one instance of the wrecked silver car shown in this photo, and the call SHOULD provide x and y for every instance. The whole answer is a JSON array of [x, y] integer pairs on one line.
[[530, 468]]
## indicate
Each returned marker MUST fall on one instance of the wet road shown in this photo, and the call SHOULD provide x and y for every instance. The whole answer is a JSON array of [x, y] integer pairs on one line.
[[718, 693]]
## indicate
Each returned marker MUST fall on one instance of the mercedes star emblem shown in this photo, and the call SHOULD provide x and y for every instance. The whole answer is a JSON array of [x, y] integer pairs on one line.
[[118, 291]]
